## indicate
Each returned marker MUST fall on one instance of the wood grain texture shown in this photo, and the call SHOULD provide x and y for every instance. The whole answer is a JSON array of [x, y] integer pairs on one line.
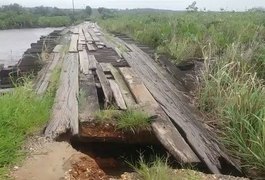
[[65, 110], [92, 62], [84, 62]]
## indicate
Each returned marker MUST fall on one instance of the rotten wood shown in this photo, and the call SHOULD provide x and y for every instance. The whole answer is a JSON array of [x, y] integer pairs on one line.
[[88, 98], [65, 110], [163, 128], [117, 95]]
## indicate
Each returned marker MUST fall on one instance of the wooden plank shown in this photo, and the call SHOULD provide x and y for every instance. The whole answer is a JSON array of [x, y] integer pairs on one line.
[[181, 113], [84, 62], [127, 96], [163, 128], [105, 85], [65, 110], [93, 35], [117, 95], [105, 67], [90, 47], [80, 47], [88, 98], [87, 36], [44, 82], [92, 62], [73, 43], [58, 48]]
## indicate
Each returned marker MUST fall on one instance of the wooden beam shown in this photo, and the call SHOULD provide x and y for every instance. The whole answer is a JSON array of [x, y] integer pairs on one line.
[[127, 96], [65, 110], [92, 62], [88, 98], [105, 85], [117, 95], [163, 128], [84, 62], [90, 47], [73, 43]]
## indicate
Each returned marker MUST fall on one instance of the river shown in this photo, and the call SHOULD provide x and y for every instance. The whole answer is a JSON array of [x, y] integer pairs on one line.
[[14, 42]]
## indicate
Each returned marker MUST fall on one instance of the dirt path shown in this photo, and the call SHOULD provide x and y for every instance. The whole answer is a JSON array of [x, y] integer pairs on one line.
[[57, 161]]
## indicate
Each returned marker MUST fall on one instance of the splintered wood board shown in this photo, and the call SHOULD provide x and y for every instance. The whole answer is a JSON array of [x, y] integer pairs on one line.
[[73, 43]]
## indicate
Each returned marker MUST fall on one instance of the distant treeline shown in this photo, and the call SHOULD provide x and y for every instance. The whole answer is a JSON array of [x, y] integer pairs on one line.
[[16, 16]]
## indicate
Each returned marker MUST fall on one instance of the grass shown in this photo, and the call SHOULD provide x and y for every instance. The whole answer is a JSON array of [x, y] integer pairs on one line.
[[158, 169], [23, 113], [130, 120], [232, 86]]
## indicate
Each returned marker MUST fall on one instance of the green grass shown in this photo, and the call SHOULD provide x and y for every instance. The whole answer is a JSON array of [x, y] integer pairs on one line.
[[158, 169], [23, 113], [232, 87], [130, 120]]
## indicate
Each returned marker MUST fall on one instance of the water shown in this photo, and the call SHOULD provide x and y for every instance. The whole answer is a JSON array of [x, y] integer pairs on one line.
[[14, 42]]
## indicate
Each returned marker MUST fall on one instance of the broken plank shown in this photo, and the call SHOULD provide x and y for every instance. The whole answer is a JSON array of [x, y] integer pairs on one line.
[[92, 62], [127, 96], [88, 98], [65, 110], [117, 95], [105, 85], [84, 62], [163, 128], [73, 43]]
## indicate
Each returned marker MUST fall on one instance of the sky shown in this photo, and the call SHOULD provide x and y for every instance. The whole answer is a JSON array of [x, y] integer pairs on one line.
[[238, 5]]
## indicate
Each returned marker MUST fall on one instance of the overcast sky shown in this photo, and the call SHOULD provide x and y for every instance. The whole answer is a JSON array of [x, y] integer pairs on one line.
[[158, 4]]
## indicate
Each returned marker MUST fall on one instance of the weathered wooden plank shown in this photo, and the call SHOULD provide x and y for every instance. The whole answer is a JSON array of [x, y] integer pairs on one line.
[[163, 128], [80, 47], [65, 110], [84, 62], [44, 82], [88, 98], [58, 48], [90, 47], [127, 96], [73, 43], [117, 95], [105, 85], [87, 36], [93, 35], [92, 62], [180, 112], [105, 67]]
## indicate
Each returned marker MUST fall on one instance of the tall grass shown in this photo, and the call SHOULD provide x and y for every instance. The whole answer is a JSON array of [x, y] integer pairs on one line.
[[232, 88], [22, 113]]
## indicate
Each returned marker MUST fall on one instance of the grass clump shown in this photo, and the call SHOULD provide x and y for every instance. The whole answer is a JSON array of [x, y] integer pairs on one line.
[[158, 169], [130, 120]]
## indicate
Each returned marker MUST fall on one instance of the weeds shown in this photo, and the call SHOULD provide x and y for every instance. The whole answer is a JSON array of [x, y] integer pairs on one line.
[[130, 120], [23, 112]]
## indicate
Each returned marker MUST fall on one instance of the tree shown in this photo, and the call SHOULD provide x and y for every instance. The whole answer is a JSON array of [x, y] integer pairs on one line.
[[192, 7], [88, 10]]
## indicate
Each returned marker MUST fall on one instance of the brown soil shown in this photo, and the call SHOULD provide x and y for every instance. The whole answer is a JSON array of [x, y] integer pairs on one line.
[[98, 132]]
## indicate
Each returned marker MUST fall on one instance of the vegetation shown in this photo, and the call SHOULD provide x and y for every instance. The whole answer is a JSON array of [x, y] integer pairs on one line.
[[130, 120], [159, 169], [232, 88], [23, 112], [15, 16]]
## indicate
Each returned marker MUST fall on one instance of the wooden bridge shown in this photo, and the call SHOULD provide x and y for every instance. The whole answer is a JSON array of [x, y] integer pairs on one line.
[[112, 71]]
